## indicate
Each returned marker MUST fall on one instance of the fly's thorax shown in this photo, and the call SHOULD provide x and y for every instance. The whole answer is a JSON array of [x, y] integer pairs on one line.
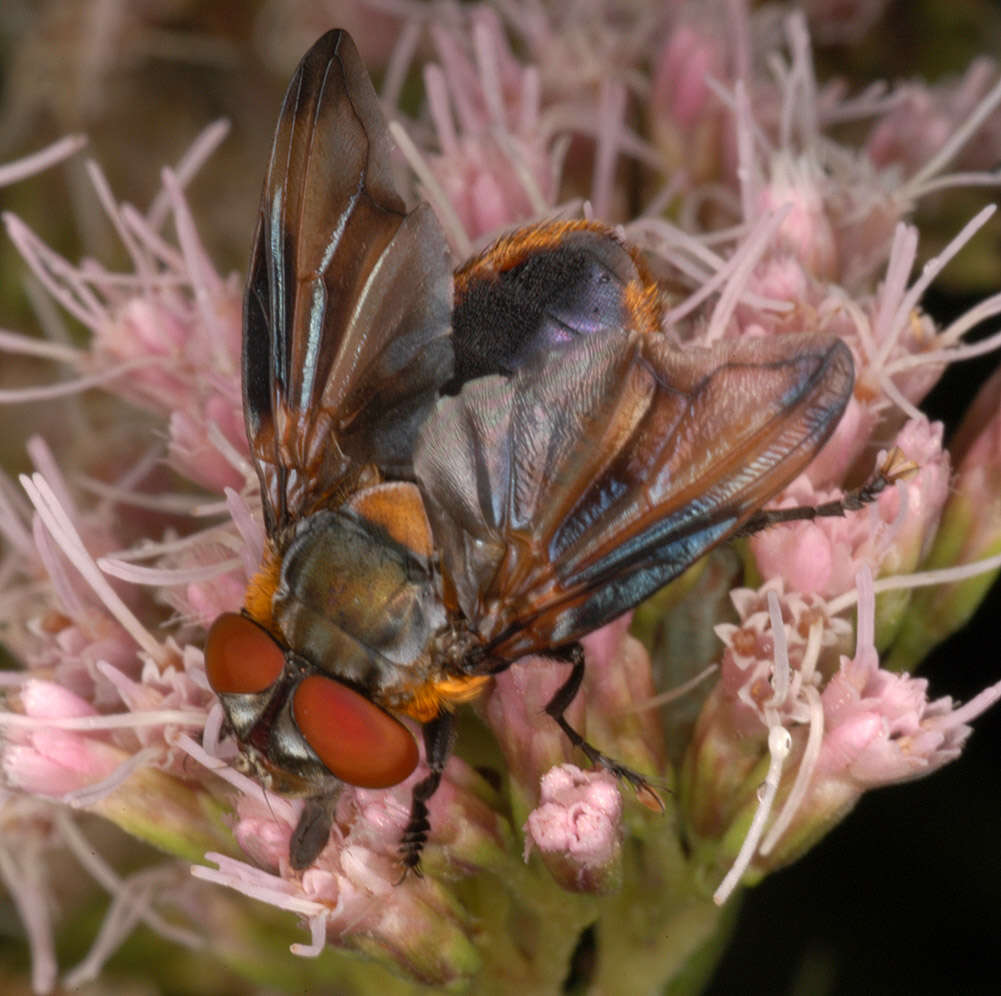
[[356, 603]]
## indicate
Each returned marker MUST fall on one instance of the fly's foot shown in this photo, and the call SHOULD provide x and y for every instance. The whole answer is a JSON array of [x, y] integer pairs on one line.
[[558, 705]]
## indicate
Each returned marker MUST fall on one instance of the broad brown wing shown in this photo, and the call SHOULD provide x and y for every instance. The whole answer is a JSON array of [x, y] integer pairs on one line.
[[346, 315], [567, 494]]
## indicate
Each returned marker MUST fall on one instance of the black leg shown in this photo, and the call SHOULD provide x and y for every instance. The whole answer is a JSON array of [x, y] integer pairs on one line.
[[437, 745], [558, 705], [312, 831], [891, 471]]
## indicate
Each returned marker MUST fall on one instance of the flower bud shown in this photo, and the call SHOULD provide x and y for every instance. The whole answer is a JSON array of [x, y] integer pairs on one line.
[[576, 828], [823, 555], [686, 119], [806, 234]]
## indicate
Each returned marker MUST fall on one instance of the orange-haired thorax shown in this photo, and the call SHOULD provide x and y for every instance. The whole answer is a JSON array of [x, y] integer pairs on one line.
[[261, 588], [515, 248], [353, 594]]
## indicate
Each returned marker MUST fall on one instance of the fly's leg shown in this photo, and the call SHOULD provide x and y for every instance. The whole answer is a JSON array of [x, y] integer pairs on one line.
[[894, 468], [312, 832], [556, 707], [437, 746]]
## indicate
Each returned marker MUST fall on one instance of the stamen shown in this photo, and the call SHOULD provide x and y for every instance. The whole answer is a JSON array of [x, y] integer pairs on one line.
[[102, 722], [143, 264], [929, 272], [486, 61], [874, 100], [157, 247], [743, 116], [230, 453], [955, 142], [895, 395], [126, 911], [64, 583], [168, 504], [317, 938], [63, 281], [801, 93], [951, 180], [531, 97], [516, 159], [987, 308], [399, 62], [25, 882], [64, 533], [254, 883], [282, 808], [440, 110], [82, 798], [781, 668], [804, 775], [37, 162], [611, 111], [25, 345], [61, 389], [779, 744], [673, 694], [214, 535], [740, 267], [122, 891], [248, 528], [432, 190], [44, 461], [165, 577], [920, 579], [903, 252], [205, 283], [199, 152], [458, 76], [211, 734]]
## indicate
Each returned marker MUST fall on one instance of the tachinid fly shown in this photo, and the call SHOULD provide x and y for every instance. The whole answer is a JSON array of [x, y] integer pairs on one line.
[[459, 469]]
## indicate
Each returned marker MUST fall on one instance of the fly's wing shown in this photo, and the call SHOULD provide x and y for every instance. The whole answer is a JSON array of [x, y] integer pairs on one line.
[[568, 493], [346, 315]]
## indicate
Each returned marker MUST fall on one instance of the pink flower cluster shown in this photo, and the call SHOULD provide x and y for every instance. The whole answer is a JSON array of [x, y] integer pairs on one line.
[[703, 131]]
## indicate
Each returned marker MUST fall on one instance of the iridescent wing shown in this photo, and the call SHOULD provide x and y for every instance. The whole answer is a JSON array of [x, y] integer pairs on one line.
[[346, 315], [567, 493]]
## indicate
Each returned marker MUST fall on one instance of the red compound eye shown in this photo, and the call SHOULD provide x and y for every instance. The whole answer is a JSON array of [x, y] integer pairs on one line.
[[240, 657], [354, 738]]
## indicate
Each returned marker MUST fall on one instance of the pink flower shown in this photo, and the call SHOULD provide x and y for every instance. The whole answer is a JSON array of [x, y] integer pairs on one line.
[[352, 895], [704, 129], [806, 233], [617, 681], [923, 118], [49, 761], [881, 728], [830, 735], [495, 169], [686, 117], [893, 535], [576, 827], [167, 336]]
